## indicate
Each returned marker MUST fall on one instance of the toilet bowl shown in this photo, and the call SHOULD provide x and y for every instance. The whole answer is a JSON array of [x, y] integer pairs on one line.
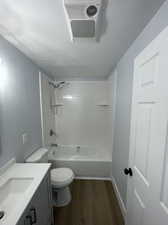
[[61, 178]]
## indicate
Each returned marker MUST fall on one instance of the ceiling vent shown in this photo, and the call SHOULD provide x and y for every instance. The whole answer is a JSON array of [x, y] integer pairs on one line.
[[82, 16]]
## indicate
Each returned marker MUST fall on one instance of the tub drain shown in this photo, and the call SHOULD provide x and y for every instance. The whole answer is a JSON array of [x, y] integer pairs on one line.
[[2, 214]]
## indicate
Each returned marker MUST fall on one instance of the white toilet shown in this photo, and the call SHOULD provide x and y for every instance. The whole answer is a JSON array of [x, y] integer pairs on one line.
[[61, 178]]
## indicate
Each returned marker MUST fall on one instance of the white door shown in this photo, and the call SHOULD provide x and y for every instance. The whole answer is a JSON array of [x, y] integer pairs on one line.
[[147, 198], [47, 92]]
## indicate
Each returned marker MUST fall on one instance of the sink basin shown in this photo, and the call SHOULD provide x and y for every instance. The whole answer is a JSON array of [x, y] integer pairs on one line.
[[12, 193]]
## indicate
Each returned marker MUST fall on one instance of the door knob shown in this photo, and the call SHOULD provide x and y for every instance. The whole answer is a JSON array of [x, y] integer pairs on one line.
[[128, 172]]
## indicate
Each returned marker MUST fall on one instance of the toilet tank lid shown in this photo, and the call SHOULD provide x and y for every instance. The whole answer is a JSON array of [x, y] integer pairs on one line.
[[37, 155]]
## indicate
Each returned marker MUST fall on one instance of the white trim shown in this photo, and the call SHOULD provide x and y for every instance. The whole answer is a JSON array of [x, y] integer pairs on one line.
[[7, 165], [92, 178], [113, 78], [41, 107], [119, 198]]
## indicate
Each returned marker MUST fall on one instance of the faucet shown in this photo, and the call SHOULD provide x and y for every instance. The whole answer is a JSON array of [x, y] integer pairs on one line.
[[2, 214]]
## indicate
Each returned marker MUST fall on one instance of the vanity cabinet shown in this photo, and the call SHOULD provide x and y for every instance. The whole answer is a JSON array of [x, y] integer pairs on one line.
[[39, 210]]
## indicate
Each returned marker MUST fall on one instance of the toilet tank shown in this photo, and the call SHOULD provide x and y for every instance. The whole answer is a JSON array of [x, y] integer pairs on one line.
[[39, 156]]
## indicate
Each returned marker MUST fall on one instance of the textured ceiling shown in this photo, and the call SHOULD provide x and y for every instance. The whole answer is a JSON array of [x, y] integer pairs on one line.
[[39, 29]]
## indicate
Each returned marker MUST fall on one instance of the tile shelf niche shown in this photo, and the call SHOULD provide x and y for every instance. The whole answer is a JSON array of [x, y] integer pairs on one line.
[[103, 105], [58, 105]]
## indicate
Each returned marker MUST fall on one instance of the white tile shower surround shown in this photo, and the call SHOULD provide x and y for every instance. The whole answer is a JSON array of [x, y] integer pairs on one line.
[[81, 120]]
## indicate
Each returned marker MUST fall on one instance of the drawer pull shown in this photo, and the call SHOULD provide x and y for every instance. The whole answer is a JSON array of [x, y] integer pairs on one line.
[[34, 215], [28, 219]]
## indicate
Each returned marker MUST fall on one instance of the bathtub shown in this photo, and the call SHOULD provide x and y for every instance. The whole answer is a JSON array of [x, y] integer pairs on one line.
[[84, 161]]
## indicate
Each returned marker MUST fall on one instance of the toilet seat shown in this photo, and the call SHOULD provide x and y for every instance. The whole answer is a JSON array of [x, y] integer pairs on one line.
[[61, 177]]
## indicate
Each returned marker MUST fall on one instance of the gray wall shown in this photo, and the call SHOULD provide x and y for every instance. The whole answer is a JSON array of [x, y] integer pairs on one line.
[[124, 95], [19, 104]]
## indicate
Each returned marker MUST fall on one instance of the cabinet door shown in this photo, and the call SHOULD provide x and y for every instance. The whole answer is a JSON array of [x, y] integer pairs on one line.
[[22, 221], [40, 208], [26, 219]]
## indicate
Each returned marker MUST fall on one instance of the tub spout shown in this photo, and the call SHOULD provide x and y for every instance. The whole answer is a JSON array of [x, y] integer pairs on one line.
[[54, 145], [78, 149]]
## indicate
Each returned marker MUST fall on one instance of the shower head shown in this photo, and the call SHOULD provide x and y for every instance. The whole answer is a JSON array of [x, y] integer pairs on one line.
[[59, 85]]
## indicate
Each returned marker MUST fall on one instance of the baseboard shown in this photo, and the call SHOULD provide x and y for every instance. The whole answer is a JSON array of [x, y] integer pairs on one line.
[[120, 200], [92, 178]]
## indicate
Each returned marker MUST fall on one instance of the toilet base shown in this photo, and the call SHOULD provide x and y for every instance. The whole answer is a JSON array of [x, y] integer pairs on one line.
[[61, 196]]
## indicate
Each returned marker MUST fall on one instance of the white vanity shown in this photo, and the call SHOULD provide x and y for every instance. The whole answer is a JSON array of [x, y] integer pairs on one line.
[[25, 194]]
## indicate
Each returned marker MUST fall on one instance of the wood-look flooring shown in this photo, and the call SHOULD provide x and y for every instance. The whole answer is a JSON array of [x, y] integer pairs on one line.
[[93, 203]]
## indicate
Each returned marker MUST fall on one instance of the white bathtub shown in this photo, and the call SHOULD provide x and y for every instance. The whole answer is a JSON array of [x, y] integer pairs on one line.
[[84, 161]]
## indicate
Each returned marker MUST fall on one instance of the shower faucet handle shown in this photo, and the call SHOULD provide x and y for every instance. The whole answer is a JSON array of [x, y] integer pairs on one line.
[[52, 133]]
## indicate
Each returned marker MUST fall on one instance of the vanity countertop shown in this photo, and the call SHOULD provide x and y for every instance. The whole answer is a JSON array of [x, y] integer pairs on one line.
[[23, 171]]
